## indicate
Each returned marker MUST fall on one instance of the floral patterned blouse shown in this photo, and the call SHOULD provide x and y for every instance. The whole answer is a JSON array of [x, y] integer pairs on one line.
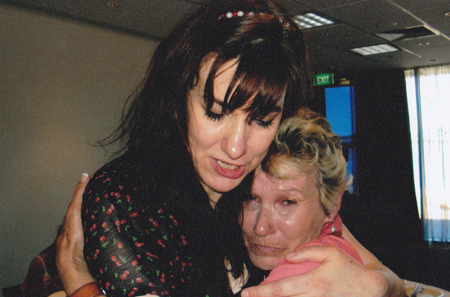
[[132, 250]]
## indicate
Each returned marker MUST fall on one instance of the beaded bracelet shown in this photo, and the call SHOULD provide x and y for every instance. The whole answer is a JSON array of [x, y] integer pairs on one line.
[[88, 290]]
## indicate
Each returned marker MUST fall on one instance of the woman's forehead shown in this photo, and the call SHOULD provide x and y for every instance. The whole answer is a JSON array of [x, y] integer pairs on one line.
[[237, 92], [299, 184]]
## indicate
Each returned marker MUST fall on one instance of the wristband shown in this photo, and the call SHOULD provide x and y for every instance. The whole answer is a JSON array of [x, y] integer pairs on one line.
[[88, 290]]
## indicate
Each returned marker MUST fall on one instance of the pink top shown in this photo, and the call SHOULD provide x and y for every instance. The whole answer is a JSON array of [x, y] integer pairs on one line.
[[326, 238]]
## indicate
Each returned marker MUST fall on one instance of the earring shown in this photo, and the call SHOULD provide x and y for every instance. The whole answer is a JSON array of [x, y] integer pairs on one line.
[[333, 229]]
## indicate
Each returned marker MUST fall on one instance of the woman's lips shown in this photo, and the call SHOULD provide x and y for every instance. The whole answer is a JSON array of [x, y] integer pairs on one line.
[[264, 250], [228, 170]]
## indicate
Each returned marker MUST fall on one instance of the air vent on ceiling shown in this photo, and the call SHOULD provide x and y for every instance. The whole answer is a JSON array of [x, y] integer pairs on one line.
[[407, 33]]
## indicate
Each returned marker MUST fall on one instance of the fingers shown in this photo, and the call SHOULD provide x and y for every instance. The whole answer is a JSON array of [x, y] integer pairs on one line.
[[79, 189], [69, 257], [318, 254]]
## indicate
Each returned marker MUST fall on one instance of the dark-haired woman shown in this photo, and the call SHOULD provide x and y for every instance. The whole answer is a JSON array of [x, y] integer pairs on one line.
[[155, 219]]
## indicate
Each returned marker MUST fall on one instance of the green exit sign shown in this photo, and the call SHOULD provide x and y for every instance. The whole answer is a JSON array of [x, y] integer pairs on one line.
[[324, 79]]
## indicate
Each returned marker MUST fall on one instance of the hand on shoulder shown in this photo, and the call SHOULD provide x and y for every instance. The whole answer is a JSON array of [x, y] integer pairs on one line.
[[338, 275]]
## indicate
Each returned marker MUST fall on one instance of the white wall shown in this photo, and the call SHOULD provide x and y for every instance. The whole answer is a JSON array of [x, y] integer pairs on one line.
[[62, 87]]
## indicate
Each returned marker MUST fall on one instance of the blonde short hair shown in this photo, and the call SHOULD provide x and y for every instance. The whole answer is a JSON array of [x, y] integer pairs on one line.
[[306, 144]]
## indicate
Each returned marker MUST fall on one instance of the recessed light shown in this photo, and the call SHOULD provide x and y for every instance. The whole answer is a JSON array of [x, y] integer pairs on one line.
[[432, 61], [424, 44], [375, 49], [311, 20], [113, 4], [447, 14]]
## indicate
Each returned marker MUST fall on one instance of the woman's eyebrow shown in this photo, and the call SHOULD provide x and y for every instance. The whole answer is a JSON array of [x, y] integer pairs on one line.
[[295, 191], [277, 109]]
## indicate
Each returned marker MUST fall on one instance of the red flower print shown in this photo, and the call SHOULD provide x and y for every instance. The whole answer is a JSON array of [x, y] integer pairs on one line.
[[102, 238], [110, 209], [120, 245], [104, 224], [134, 263], [113, 258], [139, 280]]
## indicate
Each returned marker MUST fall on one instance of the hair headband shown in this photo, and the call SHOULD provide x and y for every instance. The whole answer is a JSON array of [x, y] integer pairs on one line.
[[230, 15]]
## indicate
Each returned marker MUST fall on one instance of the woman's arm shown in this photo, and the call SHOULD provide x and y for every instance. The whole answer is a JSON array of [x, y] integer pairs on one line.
[[128, 248], [338, 275], [395, 286]]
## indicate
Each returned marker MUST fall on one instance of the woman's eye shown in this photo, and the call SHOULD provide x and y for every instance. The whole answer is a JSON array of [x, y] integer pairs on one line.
[[264, 124], [288, 202], [251, 203], [213, 116]]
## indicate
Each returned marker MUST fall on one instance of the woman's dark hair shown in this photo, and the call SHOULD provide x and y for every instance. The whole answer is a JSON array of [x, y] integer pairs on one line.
[[272, 65]]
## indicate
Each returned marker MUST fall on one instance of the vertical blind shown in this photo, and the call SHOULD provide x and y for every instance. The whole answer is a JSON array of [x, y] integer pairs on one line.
[[428, 92]]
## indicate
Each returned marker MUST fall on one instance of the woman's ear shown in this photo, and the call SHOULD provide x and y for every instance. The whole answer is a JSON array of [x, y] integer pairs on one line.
[[334, 212]]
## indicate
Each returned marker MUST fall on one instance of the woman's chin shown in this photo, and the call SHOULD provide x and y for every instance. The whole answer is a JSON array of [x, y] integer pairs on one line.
[[264, 264]]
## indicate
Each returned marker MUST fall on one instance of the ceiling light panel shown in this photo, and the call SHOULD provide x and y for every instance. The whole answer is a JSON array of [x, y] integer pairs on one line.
[[311, 20], [375, 49]]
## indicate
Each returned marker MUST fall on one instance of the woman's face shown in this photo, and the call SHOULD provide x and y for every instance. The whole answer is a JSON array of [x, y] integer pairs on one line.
[[281, 216], [225, 147]]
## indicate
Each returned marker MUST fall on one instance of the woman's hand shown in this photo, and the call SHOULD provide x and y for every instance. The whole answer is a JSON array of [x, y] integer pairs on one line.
[[69, 259], [338, 275]]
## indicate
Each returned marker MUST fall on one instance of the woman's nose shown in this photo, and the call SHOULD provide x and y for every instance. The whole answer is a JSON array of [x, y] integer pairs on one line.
[[263, 225], [234, 142]]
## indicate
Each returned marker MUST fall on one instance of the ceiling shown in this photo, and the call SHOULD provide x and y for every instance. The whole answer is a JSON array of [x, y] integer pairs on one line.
[[356, 24]]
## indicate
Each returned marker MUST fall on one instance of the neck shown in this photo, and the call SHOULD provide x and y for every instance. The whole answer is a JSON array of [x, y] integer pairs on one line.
[[214, 198]]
